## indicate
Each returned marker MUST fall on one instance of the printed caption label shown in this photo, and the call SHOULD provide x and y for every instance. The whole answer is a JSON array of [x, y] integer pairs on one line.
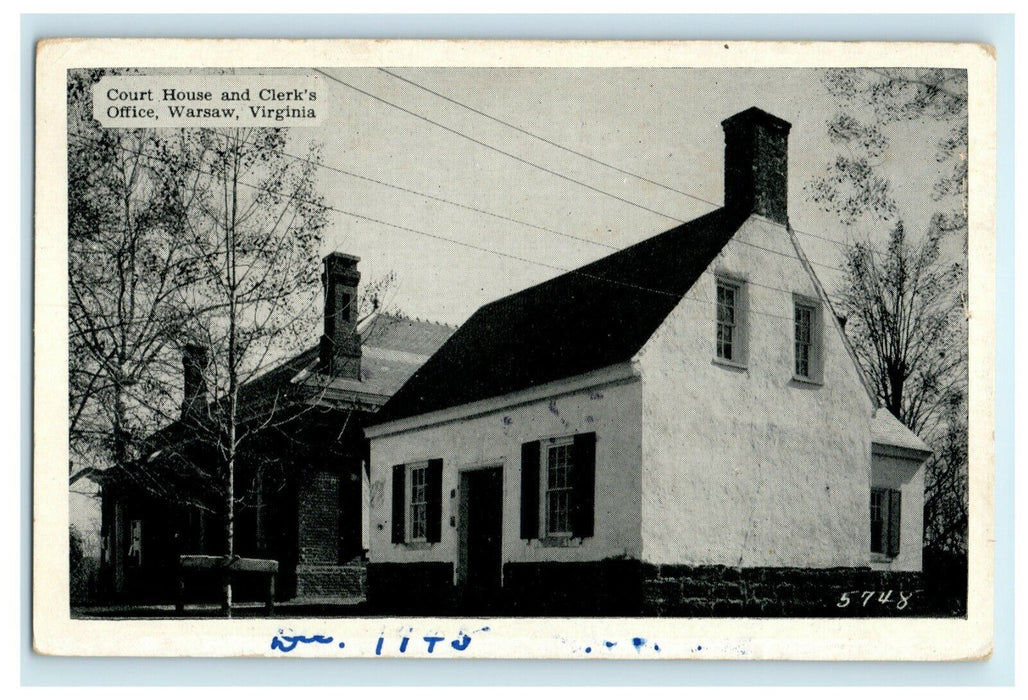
[[176, 101]]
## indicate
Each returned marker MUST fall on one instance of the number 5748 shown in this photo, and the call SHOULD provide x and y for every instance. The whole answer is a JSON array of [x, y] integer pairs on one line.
[[864, 598]]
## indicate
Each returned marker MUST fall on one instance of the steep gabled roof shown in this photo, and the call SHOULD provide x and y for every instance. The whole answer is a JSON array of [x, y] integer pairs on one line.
[[583, 320]]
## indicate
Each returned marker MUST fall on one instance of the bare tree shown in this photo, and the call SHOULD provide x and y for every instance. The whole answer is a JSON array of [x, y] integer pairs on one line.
[[257, 230], [126, 269], [203, 238], [905, 308], [904, 302]]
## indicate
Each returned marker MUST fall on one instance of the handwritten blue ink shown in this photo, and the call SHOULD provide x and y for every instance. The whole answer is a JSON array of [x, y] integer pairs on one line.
[[638, 643], [403, 645], [378, 647], [588, 650], [287, 643], [342, 645], [461, 644], [656, 647], [610, 644], [432, 641]]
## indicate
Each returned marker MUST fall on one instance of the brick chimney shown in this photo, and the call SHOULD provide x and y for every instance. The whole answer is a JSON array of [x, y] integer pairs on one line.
[[756, 164], [340, 344], [194, 385]]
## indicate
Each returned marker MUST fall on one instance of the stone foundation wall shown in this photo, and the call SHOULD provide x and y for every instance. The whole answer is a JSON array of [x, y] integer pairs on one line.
[[720, 591], [629, 588]]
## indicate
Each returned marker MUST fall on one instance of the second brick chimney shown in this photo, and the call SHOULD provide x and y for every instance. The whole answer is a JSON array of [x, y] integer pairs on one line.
[[340, 344], [757, 164]]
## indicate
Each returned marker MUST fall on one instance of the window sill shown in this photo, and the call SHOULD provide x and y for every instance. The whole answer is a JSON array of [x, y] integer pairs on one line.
[[558, 541], [881, 558], [416, 546], [807, 380], [729, 364]]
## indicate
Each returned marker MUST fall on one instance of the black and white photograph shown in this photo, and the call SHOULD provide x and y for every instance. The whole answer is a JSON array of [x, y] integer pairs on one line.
[[647, 342]]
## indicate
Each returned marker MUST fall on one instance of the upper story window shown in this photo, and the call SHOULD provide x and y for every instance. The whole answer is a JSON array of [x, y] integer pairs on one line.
[[806, 340], [804, 336], [727, 300], [730, 340]]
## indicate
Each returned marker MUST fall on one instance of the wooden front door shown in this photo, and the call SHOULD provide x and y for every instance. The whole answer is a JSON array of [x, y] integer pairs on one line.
[[481, 533]]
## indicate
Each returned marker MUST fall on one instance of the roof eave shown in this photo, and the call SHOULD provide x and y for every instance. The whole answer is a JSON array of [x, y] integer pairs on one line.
[[901, 451], [613, 374]]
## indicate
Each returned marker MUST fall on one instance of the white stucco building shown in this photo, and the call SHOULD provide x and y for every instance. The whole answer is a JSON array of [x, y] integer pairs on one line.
[[678, 416]]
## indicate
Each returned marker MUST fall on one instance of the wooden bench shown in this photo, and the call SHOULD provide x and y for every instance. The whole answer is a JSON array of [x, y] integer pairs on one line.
[[226, 567]]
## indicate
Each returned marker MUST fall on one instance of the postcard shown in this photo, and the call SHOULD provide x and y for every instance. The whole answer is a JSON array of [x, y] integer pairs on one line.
[[493, 349]]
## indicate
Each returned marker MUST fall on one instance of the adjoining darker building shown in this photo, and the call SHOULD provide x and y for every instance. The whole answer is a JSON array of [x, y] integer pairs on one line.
[[679, 428], [301, 475]]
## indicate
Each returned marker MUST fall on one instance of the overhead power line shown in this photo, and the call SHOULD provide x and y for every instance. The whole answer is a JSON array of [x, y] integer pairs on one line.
[[540, 167], [464, 244], [518, 221], [586, 156]]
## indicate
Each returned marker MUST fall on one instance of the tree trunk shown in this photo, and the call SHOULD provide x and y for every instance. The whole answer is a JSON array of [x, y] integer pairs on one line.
[[233, 382], [895, 400]]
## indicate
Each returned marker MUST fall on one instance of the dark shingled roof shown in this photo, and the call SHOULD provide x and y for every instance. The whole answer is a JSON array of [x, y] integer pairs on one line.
[[583, 320]]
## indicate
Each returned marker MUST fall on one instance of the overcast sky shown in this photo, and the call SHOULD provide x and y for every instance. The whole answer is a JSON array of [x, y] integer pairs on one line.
[[662, 124]]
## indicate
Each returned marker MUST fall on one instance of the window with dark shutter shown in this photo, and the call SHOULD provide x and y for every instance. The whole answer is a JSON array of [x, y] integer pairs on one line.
[[894, 523], [584, 479], [530, 490], [878, 508], [399, 503], [434, 495], [885, 522]]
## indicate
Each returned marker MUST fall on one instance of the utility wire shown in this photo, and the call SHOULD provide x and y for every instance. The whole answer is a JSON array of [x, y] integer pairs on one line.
[[579, 153], [472, 246], [535, 165], [507, 218], [518, 221]]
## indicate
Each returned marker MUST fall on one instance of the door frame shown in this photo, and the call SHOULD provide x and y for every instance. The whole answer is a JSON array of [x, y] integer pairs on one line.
[[460, 569]]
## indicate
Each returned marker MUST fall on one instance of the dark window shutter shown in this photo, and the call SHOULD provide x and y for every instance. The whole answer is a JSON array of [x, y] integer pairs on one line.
[[399, 503], [434, 496], [583, 502], [530, 490], [894, 523]]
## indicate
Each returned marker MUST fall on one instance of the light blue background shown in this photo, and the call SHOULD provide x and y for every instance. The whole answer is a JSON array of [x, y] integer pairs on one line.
[[997, 30]]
